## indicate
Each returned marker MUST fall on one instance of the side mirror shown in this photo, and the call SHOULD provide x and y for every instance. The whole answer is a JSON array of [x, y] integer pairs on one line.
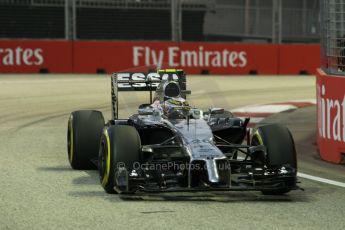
[[216, 111], [146, 111], [196, 113]]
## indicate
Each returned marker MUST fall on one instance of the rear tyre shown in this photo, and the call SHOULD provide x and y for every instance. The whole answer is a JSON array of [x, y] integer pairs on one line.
[[83, 138], [280, 149], [120, 147]]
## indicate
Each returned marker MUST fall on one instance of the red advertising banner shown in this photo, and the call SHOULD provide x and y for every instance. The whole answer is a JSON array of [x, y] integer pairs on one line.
[[330, 116], [215, 58], [89, 56], [32, 56], [299, 58], [228, 58]]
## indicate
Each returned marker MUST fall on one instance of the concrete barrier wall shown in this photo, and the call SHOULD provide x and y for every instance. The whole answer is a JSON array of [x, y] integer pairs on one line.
[[330, 91]]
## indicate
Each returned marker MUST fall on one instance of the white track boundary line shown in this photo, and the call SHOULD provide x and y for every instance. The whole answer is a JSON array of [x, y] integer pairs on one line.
[[264, 109], [320, 179], [312, 101]]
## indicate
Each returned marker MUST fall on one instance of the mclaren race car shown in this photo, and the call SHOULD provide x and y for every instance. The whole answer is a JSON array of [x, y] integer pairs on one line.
[[169, 146]]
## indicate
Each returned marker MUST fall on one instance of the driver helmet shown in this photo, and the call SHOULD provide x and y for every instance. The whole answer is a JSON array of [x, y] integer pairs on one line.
[[176, 108]]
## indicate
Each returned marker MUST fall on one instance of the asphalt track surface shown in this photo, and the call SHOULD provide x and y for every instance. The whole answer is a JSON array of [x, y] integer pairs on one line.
[[40, 191]]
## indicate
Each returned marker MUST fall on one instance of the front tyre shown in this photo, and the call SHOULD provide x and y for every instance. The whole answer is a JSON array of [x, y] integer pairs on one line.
[[119, 149], [83, 138], [280, 149]]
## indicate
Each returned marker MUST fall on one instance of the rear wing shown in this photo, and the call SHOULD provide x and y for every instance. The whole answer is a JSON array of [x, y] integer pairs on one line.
[[143, 82]]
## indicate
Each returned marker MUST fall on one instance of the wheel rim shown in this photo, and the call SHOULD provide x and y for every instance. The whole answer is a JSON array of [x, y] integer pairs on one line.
[[102, 160], [257, 140], [105, 159], [70, 141]]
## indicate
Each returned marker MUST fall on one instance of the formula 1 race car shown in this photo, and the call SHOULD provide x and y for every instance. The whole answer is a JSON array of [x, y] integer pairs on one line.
[[169, 146]]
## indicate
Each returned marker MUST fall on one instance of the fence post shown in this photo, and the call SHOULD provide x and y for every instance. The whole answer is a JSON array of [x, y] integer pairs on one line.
[[176, 21], [276, 21], [74, 19], [247, 18], [70, 23], [66, 20]]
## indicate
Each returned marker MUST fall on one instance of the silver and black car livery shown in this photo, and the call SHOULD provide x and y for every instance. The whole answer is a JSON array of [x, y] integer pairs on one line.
[[168, 146]]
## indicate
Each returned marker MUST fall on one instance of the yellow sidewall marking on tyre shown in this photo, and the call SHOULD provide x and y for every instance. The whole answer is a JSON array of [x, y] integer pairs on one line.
[[107, 170], [259, 137], [71, 139]]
